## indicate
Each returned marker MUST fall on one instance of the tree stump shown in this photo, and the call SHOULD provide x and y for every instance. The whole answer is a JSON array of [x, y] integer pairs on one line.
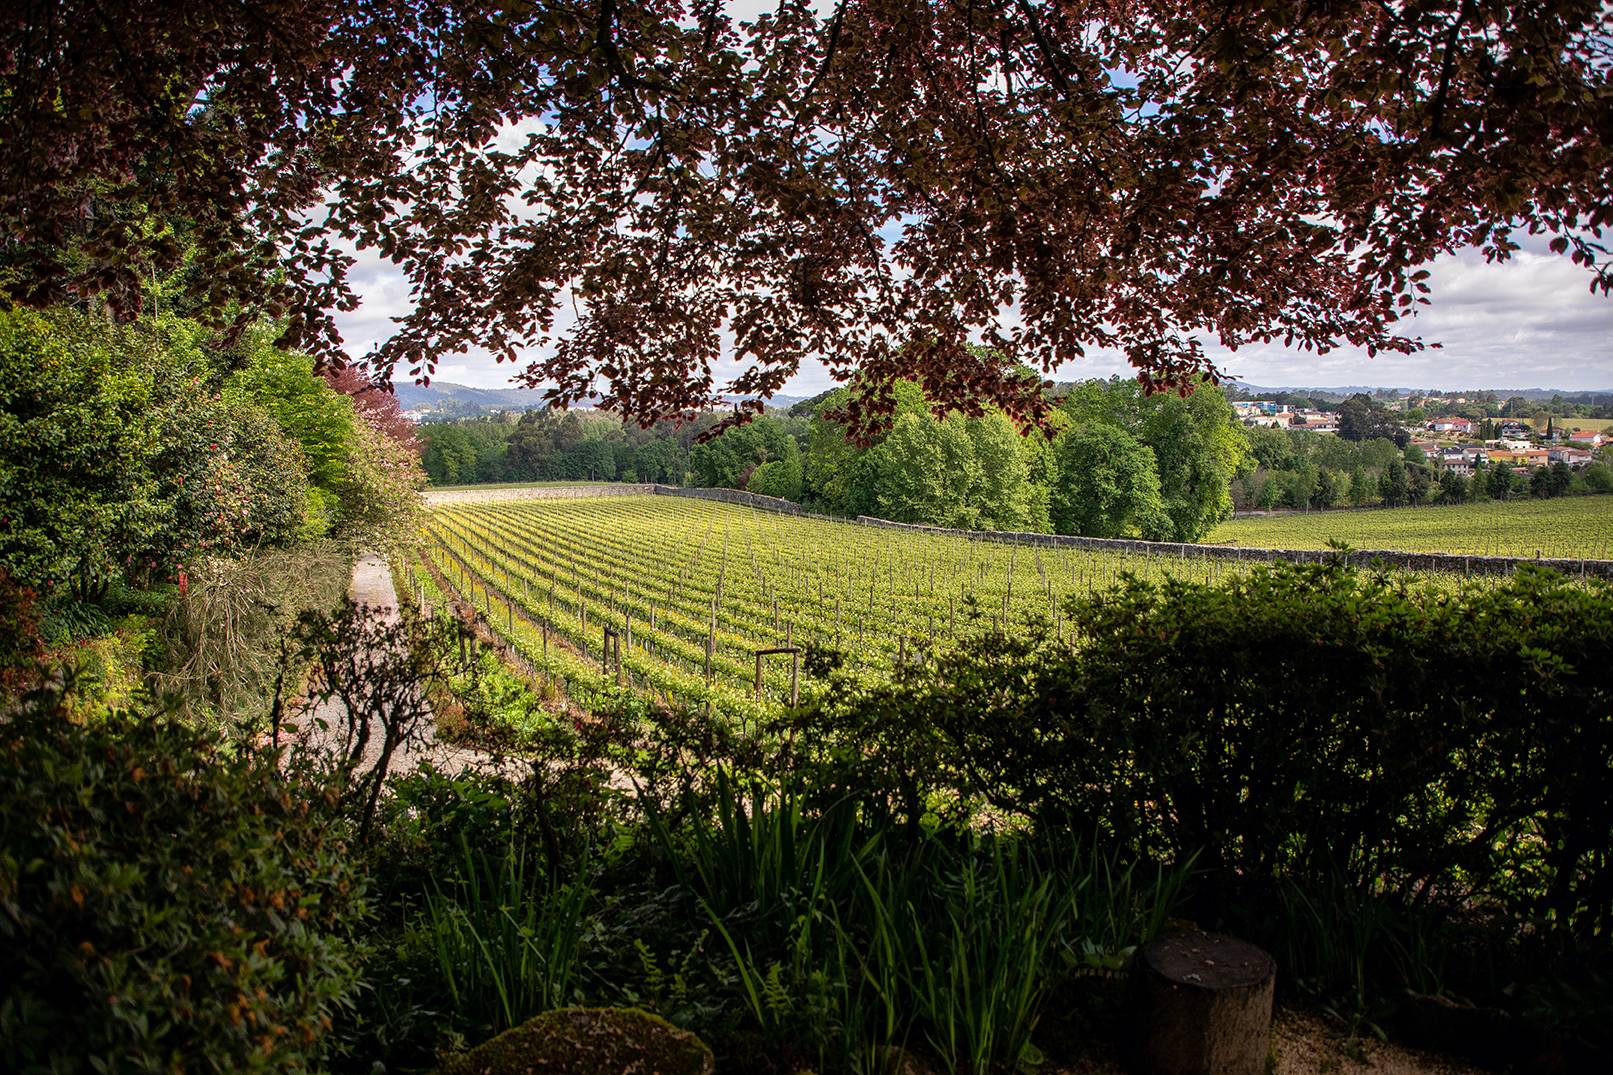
[[1206, 1005]]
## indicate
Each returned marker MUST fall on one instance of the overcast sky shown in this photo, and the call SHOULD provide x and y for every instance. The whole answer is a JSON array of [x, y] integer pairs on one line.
[[1531, 323]]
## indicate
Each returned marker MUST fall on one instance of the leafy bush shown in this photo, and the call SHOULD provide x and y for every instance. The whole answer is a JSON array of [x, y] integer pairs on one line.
[[1316, 737], [166, 904]]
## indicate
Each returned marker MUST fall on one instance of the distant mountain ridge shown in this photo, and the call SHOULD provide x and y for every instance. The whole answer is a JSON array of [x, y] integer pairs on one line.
[[413, 396], [1351, 389]]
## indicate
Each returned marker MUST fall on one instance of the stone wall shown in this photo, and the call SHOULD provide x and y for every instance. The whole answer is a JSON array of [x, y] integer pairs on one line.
[[1451, 563]]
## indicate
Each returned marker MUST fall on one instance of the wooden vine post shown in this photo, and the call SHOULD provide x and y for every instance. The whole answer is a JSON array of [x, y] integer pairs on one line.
[[1206, 1005], [611, 651], [795, 670]]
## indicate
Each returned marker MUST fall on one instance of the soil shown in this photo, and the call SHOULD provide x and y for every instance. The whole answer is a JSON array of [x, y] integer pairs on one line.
[[1306, 1044]]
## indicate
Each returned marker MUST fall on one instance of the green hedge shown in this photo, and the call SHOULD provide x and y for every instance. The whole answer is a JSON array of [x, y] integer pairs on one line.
[[1328, 745]]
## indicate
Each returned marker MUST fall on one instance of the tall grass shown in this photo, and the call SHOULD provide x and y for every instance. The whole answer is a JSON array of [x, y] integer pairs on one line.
[[505, 938], [848, 937], [969, 938]]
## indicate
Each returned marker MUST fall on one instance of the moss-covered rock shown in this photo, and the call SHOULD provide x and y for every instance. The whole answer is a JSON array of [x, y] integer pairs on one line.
[[588, 1041]]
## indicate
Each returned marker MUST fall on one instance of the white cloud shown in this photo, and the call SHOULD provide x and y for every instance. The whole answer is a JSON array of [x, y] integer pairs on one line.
[[1528, 323]]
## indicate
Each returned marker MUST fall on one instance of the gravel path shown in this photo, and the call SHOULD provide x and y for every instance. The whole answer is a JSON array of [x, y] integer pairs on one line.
[[372, 586]]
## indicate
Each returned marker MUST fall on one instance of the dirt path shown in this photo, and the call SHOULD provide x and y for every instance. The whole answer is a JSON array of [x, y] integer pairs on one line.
[[372, 586], [1304, 1044]]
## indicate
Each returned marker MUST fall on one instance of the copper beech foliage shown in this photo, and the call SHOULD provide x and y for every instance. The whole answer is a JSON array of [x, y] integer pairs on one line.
[[627, 188]]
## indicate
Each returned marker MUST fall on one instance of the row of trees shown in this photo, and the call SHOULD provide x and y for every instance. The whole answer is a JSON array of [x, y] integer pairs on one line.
[[1298, 470], [1117, 461], [130, 450], [544, 445]]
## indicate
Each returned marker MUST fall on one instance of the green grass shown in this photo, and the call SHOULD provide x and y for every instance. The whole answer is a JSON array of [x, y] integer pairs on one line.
[[1572, 527]]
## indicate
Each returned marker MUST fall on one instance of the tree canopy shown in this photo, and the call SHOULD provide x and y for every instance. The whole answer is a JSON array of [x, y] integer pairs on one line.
[[874, 186]]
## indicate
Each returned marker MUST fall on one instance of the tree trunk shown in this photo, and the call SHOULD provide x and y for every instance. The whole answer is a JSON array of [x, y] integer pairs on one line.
[[1206, 1005]]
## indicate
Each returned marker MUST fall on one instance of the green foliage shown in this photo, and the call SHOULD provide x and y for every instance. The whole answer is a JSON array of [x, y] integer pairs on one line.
[[505, 938], [1279, 727], [849, 934], [955, 471], [974, 942], [167, 903], [924, 472], [729, 461], [1108, 485], [779, 477], [312, 413], [21, 636], [78, 440], [235, 481], [1197, 444], [466, 451], [120, 458], [380, 499], [1363, 418]]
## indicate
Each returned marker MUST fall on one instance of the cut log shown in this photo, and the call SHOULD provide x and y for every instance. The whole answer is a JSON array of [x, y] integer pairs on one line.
[[1206, 1005]]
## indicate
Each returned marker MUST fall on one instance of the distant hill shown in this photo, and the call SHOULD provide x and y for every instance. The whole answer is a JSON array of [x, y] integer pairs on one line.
[[1575, 396], [413, 396]]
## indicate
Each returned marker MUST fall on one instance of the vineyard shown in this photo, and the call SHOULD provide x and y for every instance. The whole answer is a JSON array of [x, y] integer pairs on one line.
[[707, 603], [1569, 527], [676, 596]]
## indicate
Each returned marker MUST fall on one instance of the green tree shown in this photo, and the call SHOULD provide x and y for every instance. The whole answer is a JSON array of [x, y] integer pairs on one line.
[[1453, 488], [312, 413], [728, 461], [1363, 418], [1002, 496], [449, 458], [1197, 442], [1329, 490], [1108, 485], [1500, 482], [79, 439], [659, 461], [1362, 488], [836, 473], [779, 477], [923, 470], [595, 460], [1393, 487], [1419, 482]]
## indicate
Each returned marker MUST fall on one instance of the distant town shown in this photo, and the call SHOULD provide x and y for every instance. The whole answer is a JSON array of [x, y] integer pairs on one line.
[[1454, 443]]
